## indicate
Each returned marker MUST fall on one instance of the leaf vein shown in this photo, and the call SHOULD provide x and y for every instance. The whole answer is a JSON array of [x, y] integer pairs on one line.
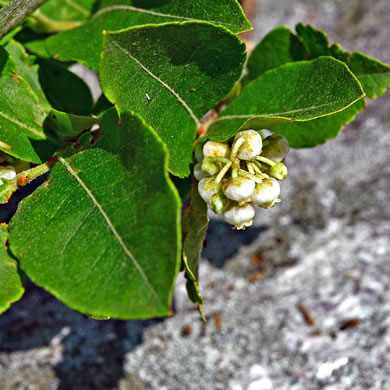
[[111, 226], [153, 13], [163, 83]]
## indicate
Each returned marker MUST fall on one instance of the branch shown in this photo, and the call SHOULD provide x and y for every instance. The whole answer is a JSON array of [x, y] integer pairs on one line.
[[15, 12]]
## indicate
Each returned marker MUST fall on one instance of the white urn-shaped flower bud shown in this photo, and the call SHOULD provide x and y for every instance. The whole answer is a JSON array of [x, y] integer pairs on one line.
[[198, 152], [239, 188], [7, 172], [240, 216], [276, 147], [251, 146], [198, 173], [211, 167], [266, 193], [207, 187], [216, 149]]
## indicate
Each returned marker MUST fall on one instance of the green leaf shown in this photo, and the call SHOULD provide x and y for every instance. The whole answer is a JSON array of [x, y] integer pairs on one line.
[[21, 116], [298, 91], [60, 15], [66, 91], [34, 42], [315, 41], [373, 74], [84, 44], [7, 188], [318, 131], [171, 75], [67, 127], [194, 225], [278, 47], [11, 284], [26, 67], [103, 234]]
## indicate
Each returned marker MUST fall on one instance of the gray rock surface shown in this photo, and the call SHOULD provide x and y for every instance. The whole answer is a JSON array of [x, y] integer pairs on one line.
[[301, 301]]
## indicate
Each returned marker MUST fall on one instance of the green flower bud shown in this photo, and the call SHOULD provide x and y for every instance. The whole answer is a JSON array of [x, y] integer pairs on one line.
[[198, 172], [211, 167], [278, 171], [219, 202], [198, 151]]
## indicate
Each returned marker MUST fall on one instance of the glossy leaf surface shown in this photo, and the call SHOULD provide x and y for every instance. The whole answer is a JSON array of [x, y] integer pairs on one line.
[[21, 116], [108, 241], [65, 90], [11, 284], [318, 131], [314, 89], [373, 74], [278, 47], [84, 44], [26, 67], [171, 75]]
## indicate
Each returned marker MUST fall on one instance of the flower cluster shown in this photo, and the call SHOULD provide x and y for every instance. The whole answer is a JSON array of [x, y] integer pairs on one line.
[[235, 177]]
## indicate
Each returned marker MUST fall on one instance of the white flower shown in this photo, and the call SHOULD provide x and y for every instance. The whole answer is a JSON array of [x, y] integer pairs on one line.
[[207, 187], [216, 149], [8, 172], [276, 147], [266, 193], [240, 216], [252, 144], [239, 188], [198, 173]]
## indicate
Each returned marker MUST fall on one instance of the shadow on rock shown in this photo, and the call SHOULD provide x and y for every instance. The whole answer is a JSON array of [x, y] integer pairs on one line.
[[87, 354], [222, 242]]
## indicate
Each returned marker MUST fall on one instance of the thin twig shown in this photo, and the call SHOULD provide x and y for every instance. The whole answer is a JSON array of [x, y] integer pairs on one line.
[[15, 12]]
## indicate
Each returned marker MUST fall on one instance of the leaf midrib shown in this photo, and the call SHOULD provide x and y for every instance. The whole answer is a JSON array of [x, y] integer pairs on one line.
[[163, 83], [111, 226], [278, 114], [154, 13]]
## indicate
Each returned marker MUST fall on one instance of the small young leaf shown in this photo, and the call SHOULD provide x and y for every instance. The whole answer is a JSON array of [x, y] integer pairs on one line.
[[66, 91], [7, 188], [84, 44], [66, 126], [315, 41], [11, 284], [314, 89], [171, 75], [26, 67], [373, 74], [103, 235], [278, 47], [318, 131], [21, 116], [60, 15], [194, 225]]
